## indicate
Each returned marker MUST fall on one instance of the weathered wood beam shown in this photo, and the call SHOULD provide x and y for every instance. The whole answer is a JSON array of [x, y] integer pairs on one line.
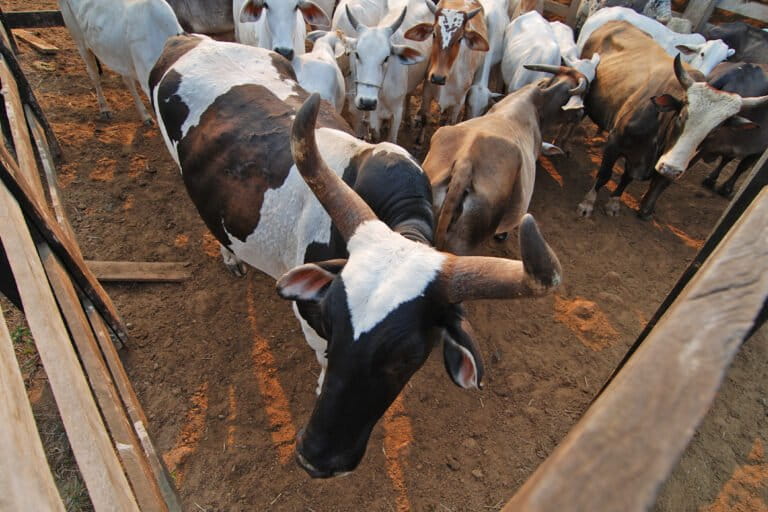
[[34, 19], [39, 45], [139, 271], [698, 12], [625, 446], [552, 7]]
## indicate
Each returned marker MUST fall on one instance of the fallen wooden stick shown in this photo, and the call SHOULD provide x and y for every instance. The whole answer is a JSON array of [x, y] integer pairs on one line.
[[139, 271], [39, 45]]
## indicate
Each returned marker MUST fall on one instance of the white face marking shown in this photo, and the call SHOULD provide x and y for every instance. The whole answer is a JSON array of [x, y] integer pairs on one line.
[[384, 270], [707, 108], [450, 20]]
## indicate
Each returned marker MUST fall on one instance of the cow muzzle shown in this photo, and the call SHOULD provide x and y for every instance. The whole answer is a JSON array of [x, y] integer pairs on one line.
[[366, 103], [669, 171], [285, 52], [437, 79]]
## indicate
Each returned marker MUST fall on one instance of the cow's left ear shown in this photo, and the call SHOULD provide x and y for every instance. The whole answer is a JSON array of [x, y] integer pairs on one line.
[[309, 281], [730, 53], [407, 55], [419, 32], [475, 41], [251, 11], [740, 123], [688, 49], [666, 103], [314, 14], [461, 356]]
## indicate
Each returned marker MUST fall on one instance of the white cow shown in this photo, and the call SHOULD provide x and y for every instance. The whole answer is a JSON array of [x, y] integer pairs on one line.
[[317, 71], [528, 39], [381, 84], [496, 20], [698, 52], [570, 55], [126, 35], [281, 28]]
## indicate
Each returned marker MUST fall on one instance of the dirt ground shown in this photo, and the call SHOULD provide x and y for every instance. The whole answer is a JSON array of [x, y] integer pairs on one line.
[[227, 380]]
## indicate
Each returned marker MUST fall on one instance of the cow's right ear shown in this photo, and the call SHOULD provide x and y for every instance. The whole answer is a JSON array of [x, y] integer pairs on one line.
[[407, 55], [688, 49], [251, 11], [309, 281], [461, 356], [667, 103], [419, 32]]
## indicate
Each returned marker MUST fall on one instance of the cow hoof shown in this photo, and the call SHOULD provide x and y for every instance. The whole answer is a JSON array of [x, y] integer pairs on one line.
[[726, 192], [643, 215], [237, 269], [612, 207], [105, 115], [709, 183], [149, 122], [585, 208], [501, 237]]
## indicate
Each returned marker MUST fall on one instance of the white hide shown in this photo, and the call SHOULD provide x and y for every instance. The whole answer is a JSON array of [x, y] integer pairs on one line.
[[570, 53], [127, 36], [387, 271], [281, 25], [529, 39], [367, 12], [226, 65], [496, 20], [707, 108], [318, 71], [666, 38]]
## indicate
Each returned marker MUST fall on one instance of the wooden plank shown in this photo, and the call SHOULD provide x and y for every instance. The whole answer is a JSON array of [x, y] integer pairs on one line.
[[139, 271], [129, 449], [752, 10], [698, 12], [103, 476], [628, 441], [65, 249], [573, 10], [34, 19], [5, 33], [39, 45], [133, 406], [555, 8], [25, 155], [27, 483]]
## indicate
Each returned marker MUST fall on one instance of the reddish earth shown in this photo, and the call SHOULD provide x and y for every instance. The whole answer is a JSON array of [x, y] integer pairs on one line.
[[226, 378]]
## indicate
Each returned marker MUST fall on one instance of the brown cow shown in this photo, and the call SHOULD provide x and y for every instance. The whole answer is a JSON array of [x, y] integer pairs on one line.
[[482, 170]]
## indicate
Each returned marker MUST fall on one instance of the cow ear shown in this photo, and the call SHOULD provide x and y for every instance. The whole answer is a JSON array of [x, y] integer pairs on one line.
[[548, 149], [462, 359], [309, 281], [687, 49], [419, 32], [407, 55], [740, 123], [314, 14], [595, 59], [475, 41], [730, 53], [251, 11], [666, 103]]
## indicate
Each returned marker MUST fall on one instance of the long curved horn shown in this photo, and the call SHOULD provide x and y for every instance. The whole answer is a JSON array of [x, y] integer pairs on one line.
[[480, 277], [546, 68], [399, 21], [474, 12], [346, 209], [352, 20], [753, 102], [431, 6], [682, 75], [581, 88]]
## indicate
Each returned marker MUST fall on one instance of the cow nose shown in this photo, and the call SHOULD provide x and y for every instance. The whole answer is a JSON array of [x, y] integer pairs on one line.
[[437, 79], [367, 104], [670, 171], [285, 52]]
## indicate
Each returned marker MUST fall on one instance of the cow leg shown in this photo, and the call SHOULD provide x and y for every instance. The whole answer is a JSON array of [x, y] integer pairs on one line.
[[232, 262], [610, 155], [711, 180], [726, 189], [613, 205], [131, 85], [658, 185], [394, 124], [318, 344]]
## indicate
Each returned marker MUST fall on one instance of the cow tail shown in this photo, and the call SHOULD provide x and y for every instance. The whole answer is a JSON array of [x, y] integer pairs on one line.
[[461, 177]]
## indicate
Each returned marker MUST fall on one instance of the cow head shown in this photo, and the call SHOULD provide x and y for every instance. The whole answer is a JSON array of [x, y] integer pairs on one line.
[[281, 19], [705, 56], [371, 51], [702, 109], [450, 28], [385, 307], [565, 90]]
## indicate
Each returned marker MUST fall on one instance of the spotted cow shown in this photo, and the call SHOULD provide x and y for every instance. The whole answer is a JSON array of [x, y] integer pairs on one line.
[[346, 228]]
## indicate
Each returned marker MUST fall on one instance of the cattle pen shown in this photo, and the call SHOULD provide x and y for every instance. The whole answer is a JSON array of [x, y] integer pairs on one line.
[[626, 428]]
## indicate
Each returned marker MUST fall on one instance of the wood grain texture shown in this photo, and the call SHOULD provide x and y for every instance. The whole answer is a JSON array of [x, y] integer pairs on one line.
[[34, 19], [624, 447], [698, 12], [39, 45], [139, 271], [101, 470], [27, 483], [137, 468]]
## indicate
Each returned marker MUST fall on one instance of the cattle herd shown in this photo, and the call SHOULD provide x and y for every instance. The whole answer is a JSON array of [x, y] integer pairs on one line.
[[377, 251]]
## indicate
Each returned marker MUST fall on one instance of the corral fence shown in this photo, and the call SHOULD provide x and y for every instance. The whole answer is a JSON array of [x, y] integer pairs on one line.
[[615, 458]]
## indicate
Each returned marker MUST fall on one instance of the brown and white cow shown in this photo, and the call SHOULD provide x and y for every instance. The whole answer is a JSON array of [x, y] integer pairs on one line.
[[263, 164], [656, 108], [482, 170], [452, 65]]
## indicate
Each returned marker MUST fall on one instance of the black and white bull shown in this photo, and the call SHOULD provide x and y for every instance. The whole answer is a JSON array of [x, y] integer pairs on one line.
[[656, 109], [372, 295], [730, 141]]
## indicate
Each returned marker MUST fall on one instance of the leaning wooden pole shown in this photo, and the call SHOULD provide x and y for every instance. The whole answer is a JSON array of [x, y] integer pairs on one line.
[[625, 446]]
